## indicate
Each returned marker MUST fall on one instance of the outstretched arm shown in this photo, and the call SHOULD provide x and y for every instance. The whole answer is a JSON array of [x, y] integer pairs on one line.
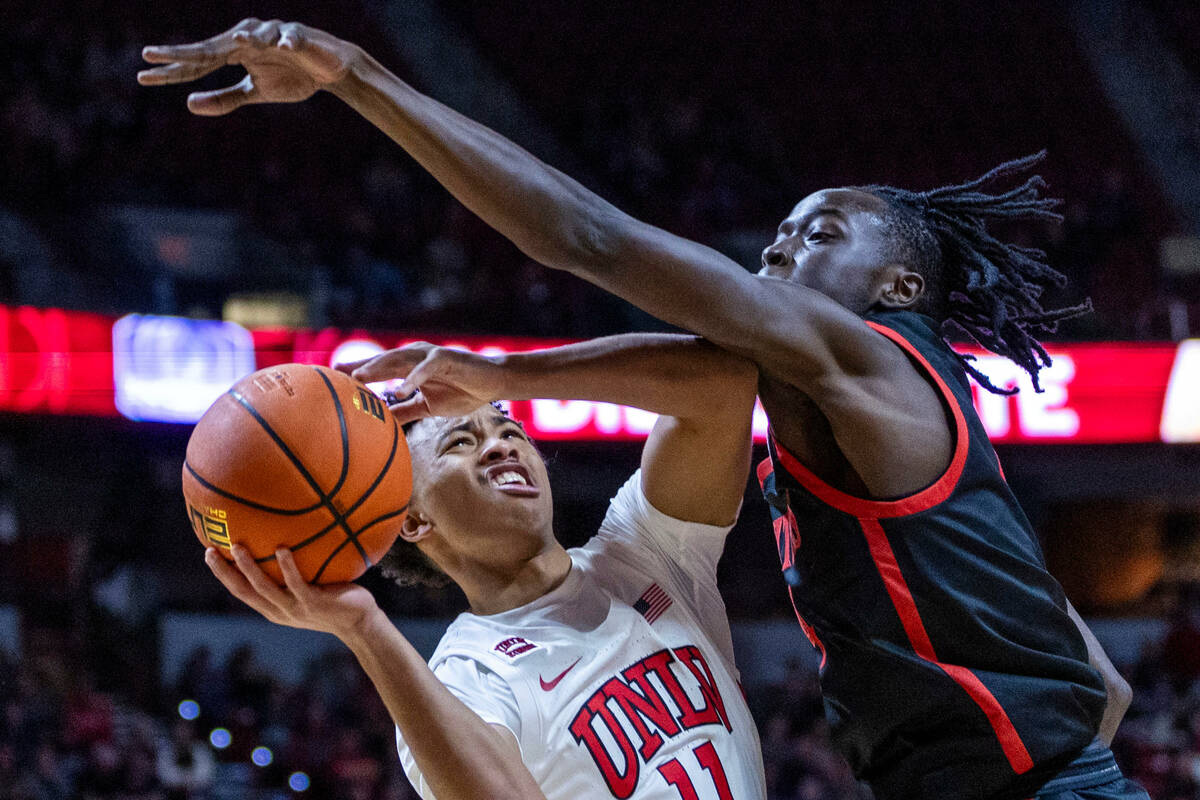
[[886, 419], [459, 755], [793, 331], [697, 457]]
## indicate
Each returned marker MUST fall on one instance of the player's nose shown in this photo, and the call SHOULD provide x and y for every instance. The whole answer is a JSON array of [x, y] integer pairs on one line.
[[776, 256], [498, 449]]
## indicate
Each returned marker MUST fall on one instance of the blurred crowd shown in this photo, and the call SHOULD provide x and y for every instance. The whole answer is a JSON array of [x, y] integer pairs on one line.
[[1160, 739], [223, 732], [230, 730], [688, 138]]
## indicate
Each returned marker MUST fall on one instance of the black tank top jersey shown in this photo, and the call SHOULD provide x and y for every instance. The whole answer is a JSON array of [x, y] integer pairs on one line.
[[949, 665]]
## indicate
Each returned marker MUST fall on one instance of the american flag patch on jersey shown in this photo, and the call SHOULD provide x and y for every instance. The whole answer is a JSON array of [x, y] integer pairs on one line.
[[653, 602]]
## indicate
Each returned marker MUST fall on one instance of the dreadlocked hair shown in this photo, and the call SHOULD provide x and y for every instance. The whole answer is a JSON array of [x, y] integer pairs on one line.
[[976, 284]]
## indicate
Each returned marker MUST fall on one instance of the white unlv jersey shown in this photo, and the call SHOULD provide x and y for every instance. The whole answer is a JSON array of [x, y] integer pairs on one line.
[[620, 682]]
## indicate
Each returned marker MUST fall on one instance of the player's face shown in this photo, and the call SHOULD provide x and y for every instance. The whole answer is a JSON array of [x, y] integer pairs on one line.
[[479, 477], [833, 242]]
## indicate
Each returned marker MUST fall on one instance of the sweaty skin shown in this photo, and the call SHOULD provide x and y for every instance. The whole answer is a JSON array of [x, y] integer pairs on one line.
[[844, 399]]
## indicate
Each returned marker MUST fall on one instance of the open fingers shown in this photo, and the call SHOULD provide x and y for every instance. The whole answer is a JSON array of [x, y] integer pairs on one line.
[[176, 72], [207, 50], [222, 101], [392, 364], [264, 34], [215, 47], [428, 367], [350, 367]]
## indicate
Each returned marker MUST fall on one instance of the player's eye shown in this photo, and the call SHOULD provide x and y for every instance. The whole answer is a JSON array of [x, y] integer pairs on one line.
[[819, 236], [458, 441], [512, 433]]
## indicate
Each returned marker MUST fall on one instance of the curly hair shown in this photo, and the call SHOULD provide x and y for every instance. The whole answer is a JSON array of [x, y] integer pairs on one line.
[[406, 565]]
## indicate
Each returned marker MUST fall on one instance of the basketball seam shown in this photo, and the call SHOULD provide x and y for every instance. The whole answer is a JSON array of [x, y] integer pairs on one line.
[[325, 499], [301, 544], [259, 506], [337, 487], [362, 499], [376, 521], [370, 489]]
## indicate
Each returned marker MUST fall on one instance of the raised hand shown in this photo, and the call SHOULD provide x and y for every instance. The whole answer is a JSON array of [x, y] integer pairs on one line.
[[285, 62], [340, 609], [446, 382]]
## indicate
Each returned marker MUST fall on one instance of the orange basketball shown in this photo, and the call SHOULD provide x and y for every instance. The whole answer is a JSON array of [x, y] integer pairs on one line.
[[302, 457]]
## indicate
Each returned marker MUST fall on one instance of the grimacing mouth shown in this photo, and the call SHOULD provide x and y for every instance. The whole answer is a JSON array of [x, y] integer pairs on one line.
[[508, 473]]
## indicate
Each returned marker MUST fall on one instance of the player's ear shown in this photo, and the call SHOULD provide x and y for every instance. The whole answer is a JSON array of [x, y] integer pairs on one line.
[[416, 527], [899, 287]]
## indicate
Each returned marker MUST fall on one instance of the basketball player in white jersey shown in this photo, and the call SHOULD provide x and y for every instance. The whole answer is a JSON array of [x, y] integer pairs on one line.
[[606, 670]]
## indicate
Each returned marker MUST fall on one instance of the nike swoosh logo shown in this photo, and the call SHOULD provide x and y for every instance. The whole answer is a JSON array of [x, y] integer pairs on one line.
[[548, 685]]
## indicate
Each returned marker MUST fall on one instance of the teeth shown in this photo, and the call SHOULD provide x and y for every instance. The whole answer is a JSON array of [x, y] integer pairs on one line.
[[505, 478]]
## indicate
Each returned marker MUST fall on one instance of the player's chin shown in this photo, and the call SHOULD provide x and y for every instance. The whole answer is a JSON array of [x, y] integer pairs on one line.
[[527, 510]]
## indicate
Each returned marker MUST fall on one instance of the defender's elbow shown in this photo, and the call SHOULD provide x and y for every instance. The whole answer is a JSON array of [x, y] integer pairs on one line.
[[593, 244]]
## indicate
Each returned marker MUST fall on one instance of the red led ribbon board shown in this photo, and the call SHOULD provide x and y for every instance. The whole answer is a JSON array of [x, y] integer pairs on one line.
[[56, 362], [1092, 393], [155, 368]]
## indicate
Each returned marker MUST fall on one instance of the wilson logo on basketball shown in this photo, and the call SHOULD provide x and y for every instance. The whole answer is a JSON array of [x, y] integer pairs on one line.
[[274, 380], [211, 528], [369, 403]]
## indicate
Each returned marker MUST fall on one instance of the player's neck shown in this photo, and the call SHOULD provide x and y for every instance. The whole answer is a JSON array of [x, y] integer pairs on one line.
[[492, 592]]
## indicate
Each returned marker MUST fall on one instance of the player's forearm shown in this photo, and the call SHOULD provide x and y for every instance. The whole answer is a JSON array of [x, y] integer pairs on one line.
[[554, 219], [545, 213], [459, 755], [680, 376]]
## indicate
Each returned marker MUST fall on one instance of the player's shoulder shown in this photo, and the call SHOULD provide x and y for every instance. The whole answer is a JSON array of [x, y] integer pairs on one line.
[[629, 509], [910, 329], [480, 639]]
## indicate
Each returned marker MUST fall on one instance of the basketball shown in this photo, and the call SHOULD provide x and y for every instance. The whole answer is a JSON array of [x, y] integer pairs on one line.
[[303, 457]]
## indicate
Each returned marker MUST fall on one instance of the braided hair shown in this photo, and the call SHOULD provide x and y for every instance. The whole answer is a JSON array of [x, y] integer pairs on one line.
[[976, 284]]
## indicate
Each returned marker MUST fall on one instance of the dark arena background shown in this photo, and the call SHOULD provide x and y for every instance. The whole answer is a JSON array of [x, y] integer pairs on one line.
[[149, 258]]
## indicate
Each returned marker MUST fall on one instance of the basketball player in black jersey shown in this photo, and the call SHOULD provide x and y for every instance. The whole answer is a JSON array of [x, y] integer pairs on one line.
[[952, 666]]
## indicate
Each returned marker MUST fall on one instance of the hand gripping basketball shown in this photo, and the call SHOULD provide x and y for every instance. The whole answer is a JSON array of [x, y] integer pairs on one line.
[[304, 458], [339, 609]]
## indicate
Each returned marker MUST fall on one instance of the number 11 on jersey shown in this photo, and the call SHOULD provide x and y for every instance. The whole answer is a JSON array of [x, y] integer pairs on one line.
[[675, 774]]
